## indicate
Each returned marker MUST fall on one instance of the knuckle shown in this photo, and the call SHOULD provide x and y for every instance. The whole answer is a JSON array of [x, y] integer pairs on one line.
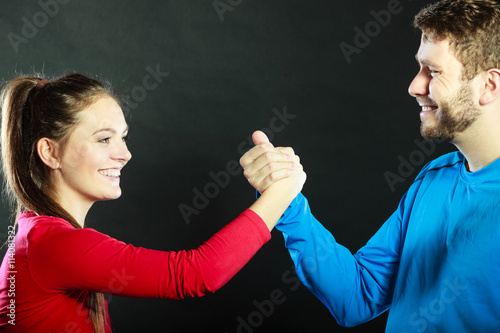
[[272, 166], [272, 177], [269, 156], [268, 146], [288, 150], [264, 147]]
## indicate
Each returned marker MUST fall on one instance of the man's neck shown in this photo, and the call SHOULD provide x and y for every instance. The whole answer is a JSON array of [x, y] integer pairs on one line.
[[480, 147]]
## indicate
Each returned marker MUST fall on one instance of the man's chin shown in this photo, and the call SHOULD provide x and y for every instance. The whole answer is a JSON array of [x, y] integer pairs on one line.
[[434, 135]]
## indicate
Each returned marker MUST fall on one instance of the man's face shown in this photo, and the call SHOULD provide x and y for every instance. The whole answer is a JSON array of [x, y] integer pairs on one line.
[[449, 106]]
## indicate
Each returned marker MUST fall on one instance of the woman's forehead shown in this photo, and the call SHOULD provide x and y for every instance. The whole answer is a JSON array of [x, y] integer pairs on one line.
[[106, 113]]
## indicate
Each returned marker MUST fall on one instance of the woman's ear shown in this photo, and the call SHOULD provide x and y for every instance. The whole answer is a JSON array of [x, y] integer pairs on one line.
[[491, 87], [48, 151]]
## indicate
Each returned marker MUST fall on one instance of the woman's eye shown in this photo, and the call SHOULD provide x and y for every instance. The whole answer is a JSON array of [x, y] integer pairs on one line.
[[105, 140], [125, 138]]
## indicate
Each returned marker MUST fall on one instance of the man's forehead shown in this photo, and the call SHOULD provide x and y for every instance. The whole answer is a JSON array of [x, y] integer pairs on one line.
[[431, 51], [426, 59]]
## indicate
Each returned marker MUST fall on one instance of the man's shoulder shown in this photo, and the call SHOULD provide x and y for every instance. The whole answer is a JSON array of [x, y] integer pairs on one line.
[[443, 163], [447, 160]]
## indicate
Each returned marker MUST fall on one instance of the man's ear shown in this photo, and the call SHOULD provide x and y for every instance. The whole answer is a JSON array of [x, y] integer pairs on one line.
[[48, 151], [491, 87]]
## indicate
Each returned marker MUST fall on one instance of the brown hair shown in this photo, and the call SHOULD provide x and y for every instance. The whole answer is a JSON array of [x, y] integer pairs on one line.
[[472, 28], [33, 108]]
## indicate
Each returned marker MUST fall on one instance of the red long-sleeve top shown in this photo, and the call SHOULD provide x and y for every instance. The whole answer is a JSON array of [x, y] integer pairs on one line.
[[54, 267]]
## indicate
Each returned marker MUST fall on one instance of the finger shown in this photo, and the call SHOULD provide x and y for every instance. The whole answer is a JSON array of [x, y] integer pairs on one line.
[[269, 161], [278, 175], [254, 153], [270, 174], [259, 137], [286, 150], [255, 175], [273, 178]]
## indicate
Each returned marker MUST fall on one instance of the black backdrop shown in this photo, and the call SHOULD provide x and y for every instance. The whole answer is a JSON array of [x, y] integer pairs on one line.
[[301, 69]]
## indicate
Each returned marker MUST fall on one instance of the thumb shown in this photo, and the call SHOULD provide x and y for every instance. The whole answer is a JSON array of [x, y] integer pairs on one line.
[[259, 138]]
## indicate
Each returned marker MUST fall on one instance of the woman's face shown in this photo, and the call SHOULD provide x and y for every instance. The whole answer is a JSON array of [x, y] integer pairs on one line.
[[94, 155]]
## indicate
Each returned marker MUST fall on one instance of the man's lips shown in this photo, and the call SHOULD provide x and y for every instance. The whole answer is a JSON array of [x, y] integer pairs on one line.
[[427, 108], [427, 111], [427, 104]]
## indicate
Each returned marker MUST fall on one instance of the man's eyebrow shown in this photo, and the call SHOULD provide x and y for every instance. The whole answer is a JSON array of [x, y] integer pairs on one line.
[[108, 129], [425, 61]]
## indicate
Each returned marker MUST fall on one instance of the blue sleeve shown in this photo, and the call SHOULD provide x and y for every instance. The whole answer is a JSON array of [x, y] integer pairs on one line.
[[355, 288]]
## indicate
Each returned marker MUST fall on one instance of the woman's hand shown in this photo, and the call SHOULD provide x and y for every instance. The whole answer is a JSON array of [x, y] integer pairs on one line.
[[276, 173], [265, 165]]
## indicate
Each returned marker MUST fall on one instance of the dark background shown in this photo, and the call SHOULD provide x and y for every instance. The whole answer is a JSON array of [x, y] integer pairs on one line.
[[353, 122]]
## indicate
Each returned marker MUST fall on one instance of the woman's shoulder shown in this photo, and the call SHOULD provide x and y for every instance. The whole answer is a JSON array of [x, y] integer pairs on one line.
[[30, 222], [47, 232], [32, 218], [42, 229]]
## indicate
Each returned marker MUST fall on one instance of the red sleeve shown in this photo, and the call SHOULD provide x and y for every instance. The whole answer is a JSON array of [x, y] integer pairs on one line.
[[61, 257]]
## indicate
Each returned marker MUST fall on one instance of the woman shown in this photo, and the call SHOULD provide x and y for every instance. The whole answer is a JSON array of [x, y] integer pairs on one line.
[[63, 147]]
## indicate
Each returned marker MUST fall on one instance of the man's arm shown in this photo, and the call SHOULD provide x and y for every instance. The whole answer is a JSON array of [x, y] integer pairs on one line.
[[355, 288]]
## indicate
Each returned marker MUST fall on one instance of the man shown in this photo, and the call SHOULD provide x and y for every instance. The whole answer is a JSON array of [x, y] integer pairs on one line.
[[435, 262]]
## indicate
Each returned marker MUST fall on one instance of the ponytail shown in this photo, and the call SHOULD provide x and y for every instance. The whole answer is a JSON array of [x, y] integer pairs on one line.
[[35, 108]]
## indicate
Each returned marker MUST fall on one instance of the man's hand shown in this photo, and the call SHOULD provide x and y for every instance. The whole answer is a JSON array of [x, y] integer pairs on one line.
[[265, 165], [276, 173]]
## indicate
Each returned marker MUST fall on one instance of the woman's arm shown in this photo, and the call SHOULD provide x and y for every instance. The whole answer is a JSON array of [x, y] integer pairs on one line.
[[62, 257]]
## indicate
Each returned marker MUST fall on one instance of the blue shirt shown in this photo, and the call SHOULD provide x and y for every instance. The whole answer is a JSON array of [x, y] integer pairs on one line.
[[435, 262]]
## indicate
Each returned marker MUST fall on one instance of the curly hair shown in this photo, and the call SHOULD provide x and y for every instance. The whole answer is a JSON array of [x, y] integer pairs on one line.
[[472, 28]]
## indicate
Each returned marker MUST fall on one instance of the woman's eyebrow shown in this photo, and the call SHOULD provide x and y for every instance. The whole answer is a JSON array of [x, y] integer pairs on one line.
[[109, 129]]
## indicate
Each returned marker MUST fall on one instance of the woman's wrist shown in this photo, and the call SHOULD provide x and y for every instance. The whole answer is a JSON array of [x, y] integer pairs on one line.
[[272, 204]]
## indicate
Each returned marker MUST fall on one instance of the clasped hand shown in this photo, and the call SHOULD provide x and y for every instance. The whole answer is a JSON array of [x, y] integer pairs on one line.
[[268, 167]]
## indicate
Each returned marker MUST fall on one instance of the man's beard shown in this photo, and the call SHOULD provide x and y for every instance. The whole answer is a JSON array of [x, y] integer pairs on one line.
[[455, 116]]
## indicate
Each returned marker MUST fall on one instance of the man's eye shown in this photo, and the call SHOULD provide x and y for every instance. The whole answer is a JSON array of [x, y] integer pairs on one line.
[[434, 73]]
